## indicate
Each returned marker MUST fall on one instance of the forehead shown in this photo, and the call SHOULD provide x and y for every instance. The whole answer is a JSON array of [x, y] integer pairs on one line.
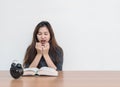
[[43, 29]]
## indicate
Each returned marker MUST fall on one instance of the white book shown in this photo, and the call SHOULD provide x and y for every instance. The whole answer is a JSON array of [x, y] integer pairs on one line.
[[47, 71]]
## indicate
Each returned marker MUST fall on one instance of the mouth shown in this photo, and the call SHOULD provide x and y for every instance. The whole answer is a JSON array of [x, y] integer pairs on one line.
[[43, 42]]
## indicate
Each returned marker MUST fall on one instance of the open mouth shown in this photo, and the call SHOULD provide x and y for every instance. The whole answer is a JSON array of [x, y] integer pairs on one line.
[[43, 42]]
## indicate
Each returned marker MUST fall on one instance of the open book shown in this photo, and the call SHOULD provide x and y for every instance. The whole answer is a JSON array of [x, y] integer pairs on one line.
[[48, 71]]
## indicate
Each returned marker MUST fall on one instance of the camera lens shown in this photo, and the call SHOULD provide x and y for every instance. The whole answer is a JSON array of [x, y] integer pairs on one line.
[[18, 65]]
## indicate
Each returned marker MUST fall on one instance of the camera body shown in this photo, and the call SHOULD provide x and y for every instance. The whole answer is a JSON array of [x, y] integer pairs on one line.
[[16, 70]]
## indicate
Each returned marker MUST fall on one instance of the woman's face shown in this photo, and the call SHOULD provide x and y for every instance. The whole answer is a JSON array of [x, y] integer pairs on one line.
[[43, 35]]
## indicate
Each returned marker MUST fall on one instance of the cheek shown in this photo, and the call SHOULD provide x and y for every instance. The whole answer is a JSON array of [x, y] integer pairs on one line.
[[48, 38], [38, 37]]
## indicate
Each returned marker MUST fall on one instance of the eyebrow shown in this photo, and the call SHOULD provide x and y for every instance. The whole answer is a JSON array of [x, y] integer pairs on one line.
[[43, 32]]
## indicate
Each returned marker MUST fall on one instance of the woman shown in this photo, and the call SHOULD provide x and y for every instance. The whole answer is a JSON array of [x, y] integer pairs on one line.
[[44, 50]]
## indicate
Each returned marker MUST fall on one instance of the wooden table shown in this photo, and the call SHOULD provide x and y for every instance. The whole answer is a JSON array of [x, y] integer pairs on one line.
[[65, 79]]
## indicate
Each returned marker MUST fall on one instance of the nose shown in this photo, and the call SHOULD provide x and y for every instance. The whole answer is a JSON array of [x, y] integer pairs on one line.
[[43, 36]]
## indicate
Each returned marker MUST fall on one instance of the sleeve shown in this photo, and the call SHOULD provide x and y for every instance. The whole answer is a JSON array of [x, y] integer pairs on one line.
[[60, 63]]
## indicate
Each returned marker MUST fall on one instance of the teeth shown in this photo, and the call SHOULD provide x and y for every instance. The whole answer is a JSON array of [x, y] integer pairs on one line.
[[42, 41]]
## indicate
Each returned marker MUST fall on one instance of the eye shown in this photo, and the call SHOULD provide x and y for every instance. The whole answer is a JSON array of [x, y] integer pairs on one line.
[[46, 33], [39, 34]]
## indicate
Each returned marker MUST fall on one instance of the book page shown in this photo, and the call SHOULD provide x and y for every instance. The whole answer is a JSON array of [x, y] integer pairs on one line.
[[30, 71], [47, 71]]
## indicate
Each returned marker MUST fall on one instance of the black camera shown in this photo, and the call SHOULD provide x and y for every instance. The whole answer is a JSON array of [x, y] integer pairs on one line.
[[16, 70]]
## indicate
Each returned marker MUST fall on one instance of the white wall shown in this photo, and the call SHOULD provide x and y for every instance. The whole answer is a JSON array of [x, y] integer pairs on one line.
[[87, 30]]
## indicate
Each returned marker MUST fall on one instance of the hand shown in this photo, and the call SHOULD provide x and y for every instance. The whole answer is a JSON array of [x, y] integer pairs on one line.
[[39, 47], [46, 48]]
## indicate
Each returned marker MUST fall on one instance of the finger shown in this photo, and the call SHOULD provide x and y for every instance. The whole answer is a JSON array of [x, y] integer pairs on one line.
[[36, 45], [46, 44]]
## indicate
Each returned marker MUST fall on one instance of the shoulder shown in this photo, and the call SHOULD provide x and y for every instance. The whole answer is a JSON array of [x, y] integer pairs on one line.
[[59, 50]]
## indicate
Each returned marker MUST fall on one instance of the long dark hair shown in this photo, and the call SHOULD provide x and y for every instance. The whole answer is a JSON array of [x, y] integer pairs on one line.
[[54, 47]]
